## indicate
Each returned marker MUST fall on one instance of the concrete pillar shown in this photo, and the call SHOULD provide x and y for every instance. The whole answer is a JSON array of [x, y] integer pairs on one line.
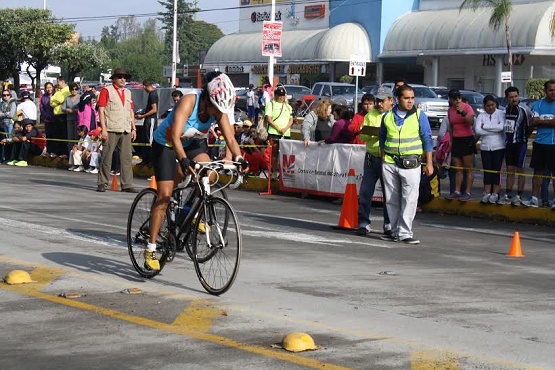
[[435, 71], [379, 73]]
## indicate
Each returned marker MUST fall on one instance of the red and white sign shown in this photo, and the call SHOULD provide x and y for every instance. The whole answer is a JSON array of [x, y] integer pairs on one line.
[[271, 38], [357, 65]]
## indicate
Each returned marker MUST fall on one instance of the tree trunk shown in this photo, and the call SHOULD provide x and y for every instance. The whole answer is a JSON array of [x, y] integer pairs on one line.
[[509, 46]]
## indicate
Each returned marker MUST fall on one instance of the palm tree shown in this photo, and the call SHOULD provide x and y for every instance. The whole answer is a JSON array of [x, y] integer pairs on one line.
[[501, 13]]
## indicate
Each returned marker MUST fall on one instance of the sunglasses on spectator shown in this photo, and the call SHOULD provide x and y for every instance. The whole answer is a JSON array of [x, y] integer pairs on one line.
[[75, 89], [120, 76], [6, 94]]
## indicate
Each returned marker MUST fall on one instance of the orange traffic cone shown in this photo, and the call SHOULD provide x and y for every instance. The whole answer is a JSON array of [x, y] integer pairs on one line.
[[115, 185], [152, 184], [516, 248], [349, 211]]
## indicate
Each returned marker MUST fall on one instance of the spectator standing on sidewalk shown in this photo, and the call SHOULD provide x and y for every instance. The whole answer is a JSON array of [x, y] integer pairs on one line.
[[517, 124], [279, 115], [59, 127], [9, 108], [317, 123], [490, 125], [373, 161], [368, 102], [543, 151], [463, 143], [251, 97], [70, 108], [405, 135], [47, 115], [340, 133], [144, 133], [118, 130], [87, 115]]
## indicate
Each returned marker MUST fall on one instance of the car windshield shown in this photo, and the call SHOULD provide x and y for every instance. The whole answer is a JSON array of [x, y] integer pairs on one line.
[[473, 98], [241, 92], [343, 90], [424, 92]]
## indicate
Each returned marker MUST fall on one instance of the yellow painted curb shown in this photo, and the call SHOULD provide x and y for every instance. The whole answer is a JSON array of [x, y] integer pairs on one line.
[[529, 215]]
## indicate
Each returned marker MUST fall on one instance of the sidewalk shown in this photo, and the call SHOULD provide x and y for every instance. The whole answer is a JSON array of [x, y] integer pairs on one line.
[[521, 214]]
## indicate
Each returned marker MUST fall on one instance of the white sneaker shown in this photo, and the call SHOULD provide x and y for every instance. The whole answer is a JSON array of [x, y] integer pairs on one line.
[[79, 169], [532, 202], [72, 168], [493, 198], [505, 199], [516, 200], [485, 198], [94, 171]]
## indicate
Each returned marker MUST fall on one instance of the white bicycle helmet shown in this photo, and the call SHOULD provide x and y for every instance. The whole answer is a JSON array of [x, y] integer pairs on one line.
[[222, 93]]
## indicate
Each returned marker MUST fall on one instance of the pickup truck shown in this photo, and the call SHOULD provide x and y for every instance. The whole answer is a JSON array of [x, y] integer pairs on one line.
[[337, 92]]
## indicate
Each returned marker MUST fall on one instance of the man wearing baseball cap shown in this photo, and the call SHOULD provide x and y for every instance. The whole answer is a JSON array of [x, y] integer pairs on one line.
[[279, 116], [373, 161]]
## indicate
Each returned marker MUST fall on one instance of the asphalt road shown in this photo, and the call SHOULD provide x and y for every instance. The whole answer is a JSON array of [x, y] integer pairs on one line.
[[456, 301]]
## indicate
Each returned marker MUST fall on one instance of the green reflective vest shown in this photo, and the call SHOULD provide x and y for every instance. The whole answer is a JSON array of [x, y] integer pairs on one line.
[[404, 140]]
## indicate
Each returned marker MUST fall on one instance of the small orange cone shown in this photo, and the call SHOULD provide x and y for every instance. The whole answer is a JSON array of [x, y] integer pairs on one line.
[[115, 185], [152, 184], [349, 211], [516, 248]]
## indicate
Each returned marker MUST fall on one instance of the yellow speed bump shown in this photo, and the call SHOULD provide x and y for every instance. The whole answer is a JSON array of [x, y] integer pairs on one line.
[[298, 342], [18, 277]]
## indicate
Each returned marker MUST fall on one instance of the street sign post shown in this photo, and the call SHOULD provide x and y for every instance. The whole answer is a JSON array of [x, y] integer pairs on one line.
[[357, 67]]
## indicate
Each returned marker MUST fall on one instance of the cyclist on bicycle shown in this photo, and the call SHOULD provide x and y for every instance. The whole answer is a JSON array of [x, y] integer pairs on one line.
[[181, 138]]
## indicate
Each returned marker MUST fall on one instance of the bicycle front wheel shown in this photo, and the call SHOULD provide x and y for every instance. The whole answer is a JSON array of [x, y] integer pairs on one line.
[[216, 245], [138, 232]]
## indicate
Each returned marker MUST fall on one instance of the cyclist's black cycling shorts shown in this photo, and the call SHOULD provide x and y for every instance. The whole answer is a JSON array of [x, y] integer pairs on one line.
[[164, 159]]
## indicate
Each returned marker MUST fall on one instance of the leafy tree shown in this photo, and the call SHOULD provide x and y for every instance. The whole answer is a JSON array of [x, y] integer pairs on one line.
[[142, 56], [193, 36], [32, 36], [75, 59], [501, 14], [534, 88], [12, 54]]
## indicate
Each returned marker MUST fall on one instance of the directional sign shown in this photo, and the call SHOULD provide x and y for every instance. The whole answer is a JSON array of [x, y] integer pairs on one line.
[[506, 77], [357, 65], [167, 71]]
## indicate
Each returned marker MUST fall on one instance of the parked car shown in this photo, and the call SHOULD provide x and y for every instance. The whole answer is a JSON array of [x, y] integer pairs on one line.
[[295, 94], [337, 92], [475, 100], [241, 99], [370, 89], [441, 91], [427, 100]]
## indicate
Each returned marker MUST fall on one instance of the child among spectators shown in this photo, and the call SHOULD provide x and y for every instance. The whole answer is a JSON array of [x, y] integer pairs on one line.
[[76, 154], [21, 145], [92, 153]]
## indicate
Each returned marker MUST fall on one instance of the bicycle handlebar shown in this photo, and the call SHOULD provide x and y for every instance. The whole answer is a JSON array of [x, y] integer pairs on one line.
[[222, 165]]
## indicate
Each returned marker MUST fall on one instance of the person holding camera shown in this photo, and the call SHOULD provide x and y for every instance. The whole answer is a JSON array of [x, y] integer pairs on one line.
[[405, 135]]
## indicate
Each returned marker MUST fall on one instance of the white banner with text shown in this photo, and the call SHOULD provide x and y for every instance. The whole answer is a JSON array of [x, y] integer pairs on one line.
[[321, 169]]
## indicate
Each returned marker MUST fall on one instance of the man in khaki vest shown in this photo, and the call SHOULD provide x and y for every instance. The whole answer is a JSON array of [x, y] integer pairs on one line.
[[118, 130]]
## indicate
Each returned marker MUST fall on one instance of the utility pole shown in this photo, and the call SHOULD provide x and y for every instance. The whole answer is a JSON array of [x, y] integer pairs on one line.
[[44, 4], [271, 61], [174, 44]]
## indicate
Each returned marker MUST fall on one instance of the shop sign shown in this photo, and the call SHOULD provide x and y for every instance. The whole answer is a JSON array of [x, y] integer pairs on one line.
[[314, 11], [304, 68], [262, 69], [264, 16], [234, 69]]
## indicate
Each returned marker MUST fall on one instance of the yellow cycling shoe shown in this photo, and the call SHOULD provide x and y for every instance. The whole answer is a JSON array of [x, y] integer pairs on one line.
[[151, 262]]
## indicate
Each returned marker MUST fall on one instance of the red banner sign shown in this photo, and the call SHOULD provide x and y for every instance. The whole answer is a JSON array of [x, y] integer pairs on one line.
[[271, 38]]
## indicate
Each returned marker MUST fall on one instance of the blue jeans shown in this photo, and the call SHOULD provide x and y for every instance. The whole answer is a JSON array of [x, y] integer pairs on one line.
[[544, 190], [372, 173]]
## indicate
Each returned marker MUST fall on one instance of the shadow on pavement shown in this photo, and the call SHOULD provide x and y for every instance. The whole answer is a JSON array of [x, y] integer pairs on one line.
[[103, 265], [66, 184]]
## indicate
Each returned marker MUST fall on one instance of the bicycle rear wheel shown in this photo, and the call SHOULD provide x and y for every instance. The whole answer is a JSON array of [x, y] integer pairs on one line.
[[216, 245], [138, 233]]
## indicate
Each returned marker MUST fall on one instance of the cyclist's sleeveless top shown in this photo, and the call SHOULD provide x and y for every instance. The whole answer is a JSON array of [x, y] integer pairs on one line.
[[194, 129]]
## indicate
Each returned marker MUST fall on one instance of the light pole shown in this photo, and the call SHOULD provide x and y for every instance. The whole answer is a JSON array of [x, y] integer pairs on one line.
[[174, 44], [44, 4], [271, 61]]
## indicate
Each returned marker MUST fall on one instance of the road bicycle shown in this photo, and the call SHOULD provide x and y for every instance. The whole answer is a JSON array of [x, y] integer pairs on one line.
[[200, 220]]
